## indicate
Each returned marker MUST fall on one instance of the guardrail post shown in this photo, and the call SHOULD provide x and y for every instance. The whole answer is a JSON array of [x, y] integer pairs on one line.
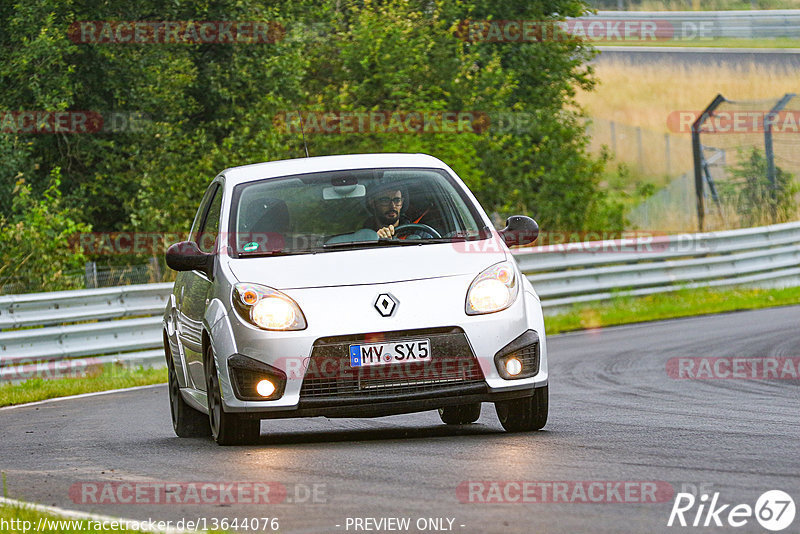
[[91, 275]]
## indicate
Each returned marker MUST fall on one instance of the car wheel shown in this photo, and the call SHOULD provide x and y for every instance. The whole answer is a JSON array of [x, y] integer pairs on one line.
[[520, 415], [226, 428], [460, 415], [186, 421]]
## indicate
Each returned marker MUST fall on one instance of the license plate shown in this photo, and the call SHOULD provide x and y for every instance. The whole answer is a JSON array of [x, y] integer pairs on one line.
[[409, 350]]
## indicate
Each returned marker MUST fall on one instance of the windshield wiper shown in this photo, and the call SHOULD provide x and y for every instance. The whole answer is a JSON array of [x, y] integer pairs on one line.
[[263, 253], [454, 239], [365, 244]]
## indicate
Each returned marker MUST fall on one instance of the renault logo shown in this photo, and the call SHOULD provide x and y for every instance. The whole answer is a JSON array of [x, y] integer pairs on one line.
[[386, 304]]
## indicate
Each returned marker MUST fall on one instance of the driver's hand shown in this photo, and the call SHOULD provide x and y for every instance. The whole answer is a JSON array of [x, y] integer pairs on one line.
[[386, 232]]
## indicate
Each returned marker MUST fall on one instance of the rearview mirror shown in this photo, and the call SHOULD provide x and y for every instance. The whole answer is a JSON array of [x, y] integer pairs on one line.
[[344, 191], [187, 256], [520, 231]]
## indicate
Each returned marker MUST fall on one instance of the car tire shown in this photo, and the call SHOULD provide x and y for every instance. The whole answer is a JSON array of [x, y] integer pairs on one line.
[[226, 428], [186, 421], [522, 415], [460, 415]]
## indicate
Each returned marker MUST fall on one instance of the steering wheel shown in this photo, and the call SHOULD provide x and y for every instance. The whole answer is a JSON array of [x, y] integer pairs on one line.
[[405, 230]]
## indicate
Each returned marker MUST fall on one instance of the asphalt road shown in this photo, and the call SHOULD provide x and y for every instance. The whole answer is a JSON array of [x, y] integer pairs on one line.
[[741, 58], [615, 415]]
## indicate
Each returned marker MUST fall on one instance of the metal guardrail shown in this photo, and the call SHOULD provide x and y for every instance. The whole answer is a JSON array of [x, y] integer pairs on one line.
[[564, 275], [50, 334], [42, 309], [755, 24], [71, 331]]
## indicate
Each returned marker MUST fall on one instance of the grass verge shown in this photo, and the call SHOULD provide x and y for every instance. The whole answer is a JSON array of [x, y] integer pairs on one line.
[[110, 377], [683, 303], [24, 520]]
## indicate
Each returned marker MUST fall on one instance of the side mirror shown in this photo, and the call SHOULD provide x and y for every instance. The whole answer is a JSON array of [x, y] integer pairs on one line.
[[186, 256], [519, 231]]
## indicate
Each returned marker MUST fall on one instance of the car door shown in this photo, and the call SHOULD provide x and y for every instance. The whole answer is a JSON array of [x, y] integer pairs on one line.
[[195, 287]]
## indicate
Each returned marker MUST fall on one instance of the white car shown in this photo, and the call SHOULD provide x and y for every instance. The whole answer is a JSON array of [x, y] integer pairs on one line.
[[350, 286]]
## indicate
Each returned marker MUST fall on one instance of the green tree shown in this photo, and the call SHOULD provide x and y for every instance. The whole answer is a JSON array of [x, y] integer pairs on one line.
[[37, 241], [212, 106]]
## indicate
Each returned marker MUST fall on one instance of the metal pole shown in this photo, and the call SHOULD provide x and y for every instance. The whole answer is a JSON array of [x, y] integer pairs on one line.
[[697, 153], [641, 151], [613, 138], [769, 153]]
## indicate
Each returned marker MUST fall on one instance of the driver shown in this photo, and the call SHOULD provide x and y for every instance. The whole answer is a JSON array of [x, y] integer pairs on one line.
[[385, 203]]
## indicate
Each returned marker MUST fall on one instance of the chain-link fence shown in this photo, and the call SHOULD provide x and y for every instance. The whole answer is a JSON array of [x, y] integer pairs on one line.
[[747, 158], [94, 276], [663, 159], [654, 154]]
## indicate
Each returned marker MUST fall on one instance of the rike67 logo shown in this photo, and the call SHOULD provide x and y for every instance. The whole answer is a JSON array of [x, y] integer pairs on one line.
[[774, 510]]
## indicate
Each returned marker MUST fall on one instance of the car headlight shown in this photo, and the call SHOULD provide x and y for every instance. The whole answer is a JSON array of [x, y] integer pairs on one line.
[[267, 308], [493, 290]]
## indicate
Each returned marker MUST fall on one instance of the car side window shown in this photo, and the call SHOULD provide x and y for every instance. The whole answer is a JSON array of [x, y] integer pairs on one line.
[[201, 211], [207, 236]]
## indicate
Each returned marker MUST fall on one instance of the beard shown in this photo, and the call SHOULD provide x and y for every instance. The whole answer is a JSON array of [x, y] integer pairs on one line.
[[390, 217]]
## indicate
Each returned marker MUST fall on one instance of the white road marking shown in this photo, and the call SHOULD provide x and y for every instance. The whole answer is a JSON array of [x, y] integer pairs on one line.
[[75, 514], [81, 396]]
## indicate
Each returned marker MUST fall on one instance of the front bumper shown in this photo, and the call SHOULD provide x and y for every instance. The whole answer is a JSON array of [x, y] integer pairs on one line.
[[391, 405], [291, 352]]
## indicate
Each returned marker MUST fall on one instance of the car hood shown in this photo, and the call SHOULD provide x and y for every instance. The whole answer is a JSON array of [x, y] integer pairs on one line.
[[368, 266]]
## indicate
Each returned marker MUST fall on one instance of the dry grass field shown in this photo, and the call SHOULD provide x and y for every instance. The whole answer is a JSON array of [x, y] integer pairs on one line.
[[646, 95], [630, 108], [696, 5]]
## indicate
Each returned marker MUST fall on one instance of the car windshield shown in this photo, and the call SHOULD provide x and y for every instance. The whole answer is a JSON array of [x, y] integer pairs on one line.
[[361, 208]]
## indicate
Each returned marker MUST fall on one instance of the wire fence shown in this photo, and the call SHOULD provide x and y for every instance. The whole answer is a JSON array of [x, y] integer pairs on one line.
[[655, 154], [663, 159], [747, 161], [96, 276]]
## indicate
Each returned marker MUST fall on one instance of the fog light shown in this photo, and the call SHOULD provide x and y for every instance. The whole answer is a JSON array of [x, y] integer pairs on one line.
[[265, 388], [513, 366]]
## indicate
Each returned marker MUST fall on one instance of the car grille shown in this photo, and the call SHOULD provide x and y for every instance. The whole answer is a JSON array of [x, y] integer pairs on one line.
[[329, 374]]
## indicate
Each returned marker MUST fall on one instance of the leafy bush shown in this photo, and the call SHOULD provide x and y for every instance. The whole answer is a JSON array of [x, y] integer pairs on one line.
[[753, 196], [35, 242], [209, 107]]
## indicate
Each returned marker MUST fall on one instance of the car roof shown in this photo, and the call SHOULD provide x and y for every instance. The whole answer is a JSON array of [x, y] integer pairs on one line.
[[287, 167]]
